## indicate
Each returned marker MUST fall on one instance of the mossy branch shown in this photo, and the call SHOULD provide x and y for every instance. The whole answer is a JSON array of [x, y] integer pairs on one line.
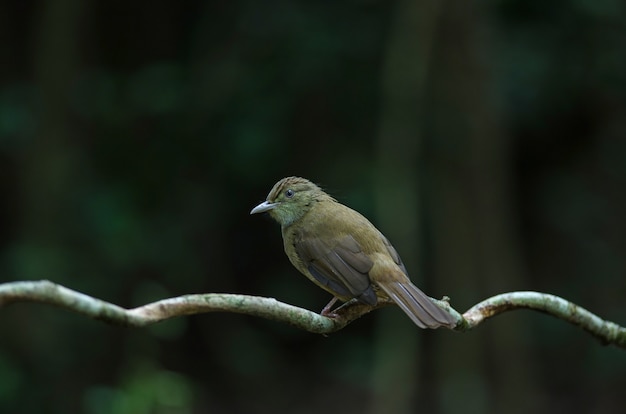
[[53, 294]]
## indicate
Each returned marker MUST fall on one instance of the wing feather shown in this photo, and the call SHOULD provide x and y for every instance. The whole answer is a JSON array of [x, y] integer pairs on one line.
[[338, 264]]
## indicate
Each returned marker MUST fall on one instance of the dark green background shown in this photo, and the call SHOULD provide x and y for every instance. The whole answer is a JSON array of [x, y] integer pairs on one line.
[[487, 140]]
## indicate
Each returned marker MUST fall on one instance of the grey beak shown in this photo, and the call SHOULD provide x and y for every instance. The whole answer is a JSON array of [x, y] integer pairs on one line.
[[263, 207]]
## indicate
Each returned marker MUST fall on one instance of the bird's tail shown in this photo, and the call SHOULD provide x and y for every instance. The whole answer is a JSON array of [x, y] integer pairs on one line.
[[419, 307]]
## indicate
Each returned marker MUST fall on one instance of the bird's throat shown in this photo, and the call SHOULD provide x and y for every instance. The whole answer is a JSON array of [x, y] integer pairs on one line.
[[288, 214]]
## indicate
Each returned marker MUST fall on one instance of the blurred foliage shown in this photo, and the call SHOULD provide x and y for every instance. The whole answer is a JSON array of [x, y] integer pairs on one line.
[[136, 137], [146, 390]]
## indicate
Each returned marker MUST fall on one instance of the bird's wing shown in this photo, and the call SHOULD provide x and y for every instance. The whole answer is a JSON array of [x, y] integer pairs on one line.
[[338, 264], [394, 254]]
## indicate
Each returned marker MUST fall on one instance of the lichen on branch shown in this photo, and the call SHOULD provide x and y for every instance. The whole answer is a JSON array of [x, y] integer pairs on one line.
[[47, 292]]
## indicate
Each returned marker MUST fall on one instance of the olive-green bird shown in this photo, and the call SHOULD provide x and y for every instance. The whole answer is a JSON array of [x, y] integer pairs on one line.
[[342, 252]]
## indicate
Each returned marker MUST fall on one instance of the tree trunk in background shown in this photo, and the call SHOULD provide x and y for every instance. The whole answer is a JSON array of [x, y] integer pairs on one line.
[[49, 164], [475, 243], [48, 170], [399, 348]]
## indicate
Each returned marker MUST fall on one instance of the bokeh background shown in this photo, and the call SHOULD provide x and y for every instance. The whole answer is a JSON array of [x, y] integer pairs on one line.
[[487, 140]]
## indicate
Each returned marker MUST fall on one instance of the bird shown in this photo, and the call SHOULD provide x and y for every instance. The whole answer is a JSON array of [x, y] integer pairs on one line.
[[342, 252]]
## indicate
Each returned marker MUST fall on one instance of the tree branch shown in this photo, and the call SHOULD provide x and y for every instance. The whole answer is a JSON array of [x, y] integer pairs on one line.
[[609, 333], [53, 294]]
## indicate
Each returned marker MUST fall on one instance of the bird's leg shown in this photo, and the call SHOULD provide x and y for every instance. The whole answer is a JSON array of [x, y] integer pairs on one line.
[[333, 314], [327, 309], [348, 303]]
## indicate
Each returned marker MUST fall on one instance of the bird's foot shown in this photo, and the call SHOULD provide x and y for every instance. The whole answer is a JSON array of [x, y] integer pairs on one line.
[[330, 314], [333, 313], [327, 311]]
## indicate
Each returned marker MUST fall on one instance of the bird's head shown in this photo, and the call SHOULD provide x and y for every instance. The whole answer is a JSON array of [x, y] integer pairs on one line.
[[290, 199]]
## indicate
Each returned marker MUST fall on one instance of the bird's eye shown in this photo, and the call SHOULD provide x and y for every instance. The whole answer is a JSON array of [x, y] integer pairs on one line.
[[289, 193]]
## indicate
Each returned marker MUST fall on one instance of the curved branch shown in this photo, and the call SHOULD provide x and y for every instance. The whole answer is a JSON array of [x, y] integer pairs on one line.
[[605, 331], [50, 293], [53, 294]]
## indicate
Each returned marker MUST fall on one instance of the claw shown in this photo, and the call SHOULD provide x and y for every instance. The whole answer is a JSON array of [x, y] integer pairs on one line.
[[333, 313]]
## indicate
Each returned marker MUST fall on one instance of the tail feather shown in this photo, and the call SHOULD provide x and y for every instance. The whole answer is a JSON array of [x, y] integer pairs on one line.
[[419, 307]]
